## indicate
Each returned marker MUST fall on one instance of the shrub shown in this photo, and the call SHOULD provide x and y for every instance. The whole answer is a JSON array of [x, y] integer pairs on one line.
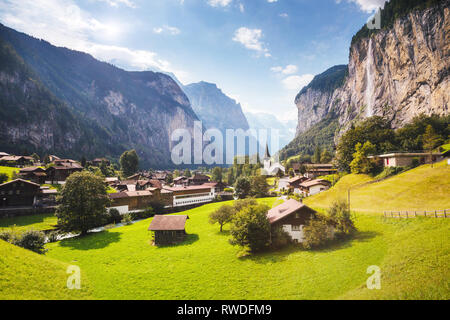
[[33, 240], [127, 219], [114, 216], [316, 233], [3, 177], [228, 190], [340, 217], [53, 236], [280, 238], [145, 214]]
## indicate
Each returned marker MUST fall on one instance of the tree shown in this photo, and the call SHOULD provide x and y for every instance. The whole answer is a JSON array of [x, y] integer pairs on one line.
[[35, 157], [187, 173], [176, 173], [242, 187], [3, 177], [316, 157], [360, 162], [259, 187], [129, 162], [326, 156], [251, 228], [83, 161], [82, 203], [222, 216], [430, 141], [316, 233], [340, 215], [216, 174], [46, 159], [291, 172]]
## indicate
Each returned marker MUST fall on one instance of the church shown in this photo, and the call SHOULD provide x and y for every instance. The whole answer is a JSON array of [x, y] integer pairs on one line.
[[271, 169]]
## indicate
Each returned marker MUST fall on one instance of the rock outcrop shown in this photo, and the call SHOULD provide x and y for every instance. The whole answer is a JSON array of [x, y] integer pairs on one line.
[[398, 73]]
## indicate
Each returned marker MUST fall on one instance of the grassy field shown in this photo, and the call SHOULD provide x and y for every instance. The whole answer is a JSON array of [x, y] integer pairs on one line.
[[9, 171], [25, 275], [121, 263], [423, 188], [37, 222]]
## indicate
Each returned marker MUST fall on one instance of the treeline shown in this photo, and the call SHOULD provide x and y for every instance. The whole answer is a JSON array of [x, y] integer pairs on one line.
[[393, 10], [375, 136], [319, 135]]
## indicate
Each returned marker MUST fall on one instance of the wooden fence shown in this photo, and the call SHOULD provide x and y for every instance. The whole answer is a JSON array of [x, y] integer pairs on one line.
[[413, 214]]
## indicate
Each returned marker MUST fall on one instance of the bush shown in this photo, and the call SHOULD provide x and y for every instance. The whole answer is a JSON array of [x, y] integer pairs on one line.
[[222, 216], [340, 217], [114, 216], [53, 236], [228, 190], [145, 214], [127, 219], [280, 238], [3, 177], [33, 240], [316, 233]]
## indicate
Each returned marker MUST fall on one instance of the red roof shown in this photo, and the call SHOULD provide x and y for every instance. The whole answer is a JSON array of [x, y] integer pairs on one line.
[[168, 223], [200, 187], [285, 209]]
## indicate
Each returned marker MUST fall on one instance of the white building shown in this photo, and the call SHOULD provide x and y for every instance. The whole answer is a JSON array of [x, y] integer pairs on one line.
[[271, 169]]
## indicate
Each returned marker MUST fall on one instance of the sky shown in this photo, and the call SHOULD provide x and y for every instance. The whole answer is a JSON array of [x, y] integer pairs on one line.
[[259, 52]]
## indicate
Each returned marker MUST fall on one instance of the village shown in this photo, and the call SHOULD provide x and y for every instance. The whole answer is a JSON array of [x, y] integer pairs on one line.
[[35, 187]]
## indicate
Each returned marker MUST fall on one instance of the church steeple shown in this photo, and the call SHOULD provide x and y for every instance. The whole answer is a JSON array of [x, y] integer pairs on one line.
[[267, 154]]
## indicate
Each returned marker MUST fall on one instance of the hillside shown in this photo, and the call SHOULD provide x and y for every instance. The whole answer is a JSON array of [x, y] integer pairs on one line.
[[25, 275], [422, 188], [104, 110]]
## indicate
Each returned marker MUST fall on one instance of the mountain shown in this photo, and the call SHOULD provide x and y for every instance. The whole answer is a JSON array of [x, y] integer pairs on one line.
[[91, 108], [286, 130], [397, 72], [214, 108]]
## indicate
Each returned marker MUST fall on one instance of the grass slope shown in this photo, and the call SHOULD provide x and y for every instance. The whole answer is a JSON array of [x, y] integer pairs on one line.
[[38, 222], [423, 188], [9, 171], [121, 264], [25, 275]]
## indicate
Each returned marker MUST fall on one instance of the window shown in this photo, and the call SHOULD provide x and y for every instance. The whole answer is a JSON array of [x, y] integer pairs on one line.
[[297, 215], [296, 228]]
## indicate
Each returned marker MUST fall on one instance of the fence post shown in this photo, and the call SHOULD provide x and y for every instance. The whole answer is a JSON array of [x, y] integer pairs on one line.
[[415, 214], [392, 214], [435, 213], [445, 213], [425, 213], [407, 215]]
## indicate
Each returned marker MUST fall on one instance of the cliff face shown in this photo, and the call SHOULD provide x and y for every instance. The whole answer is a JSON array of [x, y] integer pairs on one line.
[[214, 108], [398, 73], [126, 109]]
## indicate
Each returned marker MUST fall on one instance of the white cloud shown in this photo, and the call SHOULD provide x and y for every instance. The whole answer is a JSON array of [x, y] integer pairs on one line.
[[271, 1], [241, 7], [167, 29], [367, 5], [297, 82], [219, 3], [289, 69], [117, 3], [284, 15], [251, 39], [63, 23]]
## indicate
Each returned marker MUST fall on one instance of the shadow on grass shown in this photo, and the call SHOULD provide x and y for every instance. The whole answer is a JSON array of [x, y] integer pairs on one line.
[[190, 239], [273, 255], [23, 221], [98, 240]]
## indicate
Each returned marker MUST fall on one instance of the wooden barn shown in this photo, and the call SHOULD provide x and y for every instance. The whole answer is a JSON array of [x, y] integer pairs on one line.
[[19, 193], [168, 230]]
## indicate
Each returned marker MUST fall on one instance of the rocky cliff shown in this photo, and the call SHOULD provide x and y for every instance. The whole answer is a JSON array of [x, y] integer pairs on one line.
[[214, 108], [397, 72], [127, 109]]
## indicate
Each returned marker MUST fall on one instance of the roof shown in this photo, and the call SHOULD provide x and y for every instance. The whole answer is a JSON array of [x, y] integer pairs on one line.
[[2, 154], [130, 194], [20, 180], [404, 154], [168, 223], [180, 178], [285, 209], [31, 169], [316, 182], [200, 187], [118, 195], [319, 165], [297, 178], [266, 153], [111, 179], [15, 158]]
